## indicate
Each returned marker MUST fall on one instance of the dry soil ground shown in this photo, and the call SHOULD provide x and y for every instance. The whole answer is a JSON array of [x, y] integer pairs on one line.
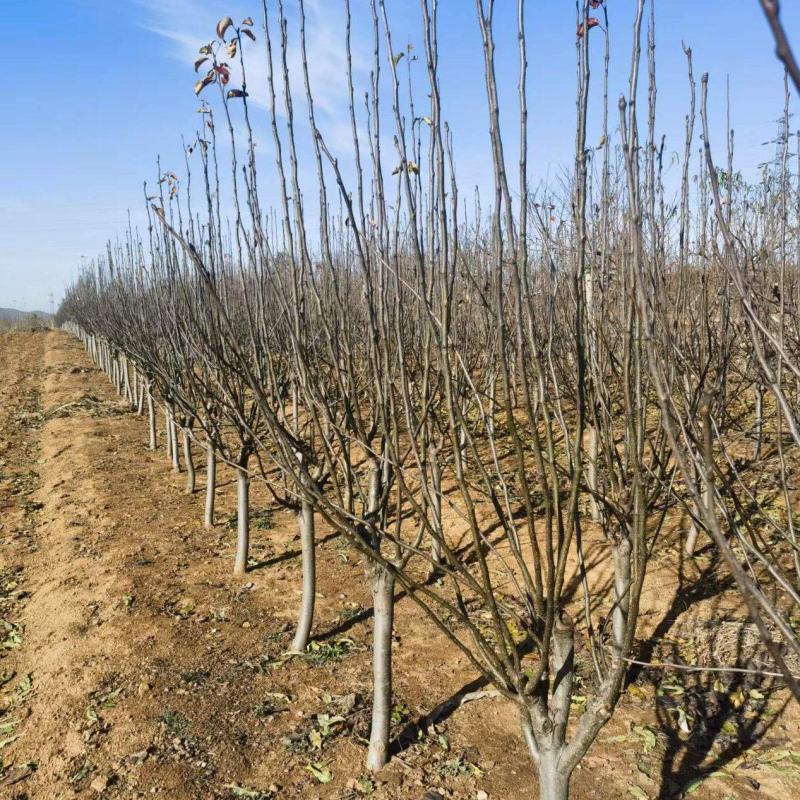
[[134, 664]]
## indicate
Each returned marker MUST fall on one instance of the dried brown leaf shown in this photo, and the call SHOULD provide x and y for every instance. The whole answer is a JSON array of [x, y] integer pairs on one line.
[[223, 26]]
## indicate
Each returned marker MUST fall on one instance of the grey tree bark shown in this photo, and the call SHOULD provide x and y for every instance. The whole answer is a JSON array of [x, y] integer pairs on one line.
[[621, 557], [553, 785], [546, 738], [187, 457], [211, 486], [167, 434], [690, 545], [173, 431], [306, 523], [383, 619], [139, 394], [591, 474], [242, 513], [436, 507], [759, 423], [126, 382], [151, 414]]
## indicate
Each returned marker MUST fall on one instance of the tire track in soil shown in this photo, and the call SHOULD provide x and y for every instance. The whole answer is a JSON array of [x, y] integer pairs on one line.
[[64, 647], [20, 419]]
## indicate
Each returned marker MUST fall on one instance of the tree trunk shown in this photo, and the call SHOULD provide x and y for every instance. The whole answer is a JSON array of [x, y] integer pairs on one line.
[[151, 413], [690, 545], [462, 435], [140, 395], [374, 487], [562, 673], [621, 556], [126, 382], [242, 514], [591, 474], [490, 417], [187, 457], [173, 431], [167, 434], [691, 540], [306, 523], [553, 784], [759, 421], [383, 607], [546, 740], [436, 509], [211, 486]]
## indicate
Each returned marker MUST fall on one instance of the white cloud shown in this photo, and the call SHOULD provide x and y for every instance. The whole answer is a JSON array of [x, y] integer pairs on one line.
[[188, 24]]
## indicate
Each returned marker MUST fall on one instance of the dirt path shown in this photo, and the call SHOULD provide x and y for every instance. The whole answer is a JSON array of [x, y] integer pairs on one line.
[[144, 666], [134, 664]]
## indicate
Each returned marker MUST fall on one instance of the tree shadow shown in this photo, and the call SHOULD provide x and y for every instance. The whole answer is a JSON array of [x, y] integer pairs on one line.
[[410, 732], [346, 624], [444, 710], [367, 613], [288, 555], [706, 584], [709, 719]]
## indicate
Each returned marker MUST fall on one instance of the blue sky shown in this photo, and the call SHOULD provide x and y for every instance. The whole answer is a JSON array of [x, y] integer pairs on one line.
[[98, 89]]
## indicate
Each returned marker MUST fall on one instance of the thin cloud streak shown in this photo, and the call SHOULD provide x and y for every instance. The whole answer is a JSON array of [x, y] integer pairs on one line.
[[187, 25]]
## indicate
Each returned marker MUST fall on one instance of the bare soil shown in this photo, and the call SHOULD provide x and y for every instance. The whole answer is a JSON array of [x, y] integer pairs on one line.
[[134, 664]]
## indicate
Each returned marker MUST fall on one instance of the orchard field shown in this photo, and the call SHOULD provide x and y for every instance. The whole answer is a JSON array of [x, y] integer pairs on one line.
[[135, 664], [360, 464]]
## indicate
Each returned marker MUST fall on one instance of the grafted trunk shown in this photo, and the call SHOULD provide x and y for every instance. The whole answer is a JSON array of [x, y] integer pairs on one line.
[[126, 381], [553, 784], [211, 485], [139, 394], [242, 514], [151, 415], [690, 545], [167, 434], [187, 457], [591, 474], [374, 486], [490, 416], [545, 731], [349, 494], [462, 434], [306, 524], [562, 673], [759, 421], [173, 431], [621, 557], [383, 606], [436, 508]]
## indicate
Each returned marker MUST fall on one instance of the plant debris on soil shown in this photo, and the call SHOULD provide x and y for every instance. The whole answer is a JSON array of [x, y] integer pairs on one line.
[[133, 663]]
